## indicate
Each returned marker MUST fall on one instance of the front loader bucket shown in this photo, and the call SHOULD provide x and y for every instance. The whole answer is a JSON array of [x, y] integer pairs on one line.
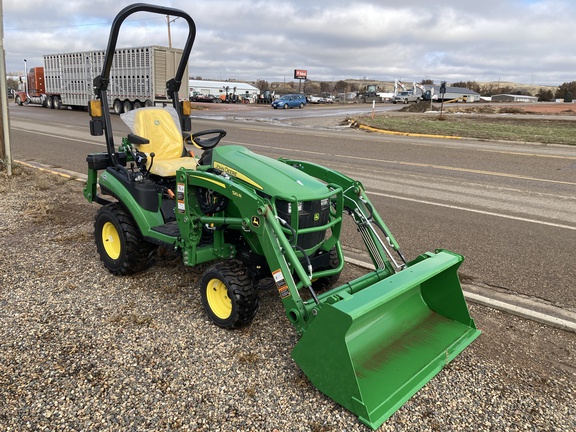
[[372, 350]]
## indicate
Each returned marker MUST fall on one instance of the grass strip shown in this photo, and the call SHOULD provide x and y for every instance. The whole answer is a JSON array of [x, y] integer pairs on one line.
[[506, 128]]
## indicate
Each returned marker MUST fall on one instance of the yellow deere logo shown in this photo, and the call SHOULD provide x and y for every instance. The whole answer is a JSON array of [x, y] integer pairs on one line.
[[316, 217], [255, 221]]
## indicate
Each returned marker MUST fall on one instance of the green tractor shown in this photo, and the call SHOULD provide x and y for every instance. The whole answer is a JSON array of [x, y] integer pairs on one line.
[[370, 343]]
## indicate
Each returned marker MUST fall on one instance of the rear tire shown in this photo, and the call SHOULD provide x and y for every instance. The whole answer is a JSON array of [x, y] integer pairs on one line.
[[118, 107], [57, 102], [229, 295], [119, 242], [286, 106], [127, 106]]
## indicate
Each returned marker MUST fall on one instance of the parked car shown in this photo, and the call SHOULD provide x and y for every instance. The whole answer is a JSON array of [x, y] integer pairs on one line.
[[406, 97], [290, 101]]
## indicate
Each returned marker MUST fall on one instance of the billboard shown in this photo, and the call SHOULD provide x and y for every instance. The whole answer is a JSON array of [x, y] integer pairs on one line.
[[300, 74]]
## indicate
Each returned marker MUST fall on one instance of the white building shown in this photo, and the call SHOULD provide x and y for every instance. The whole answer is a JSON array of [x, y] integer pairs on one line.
[[222, 88], [513, 98]]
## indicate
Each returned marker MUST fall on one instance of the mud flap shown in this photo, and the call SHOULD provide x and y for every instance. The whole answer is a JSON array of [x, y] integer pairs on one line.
[[374, 349]]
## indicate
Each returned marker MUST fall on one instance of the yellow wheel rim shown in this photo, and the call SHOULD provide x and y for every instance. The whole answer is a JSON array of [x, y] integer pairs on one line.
[[218, 300], [111, 240]]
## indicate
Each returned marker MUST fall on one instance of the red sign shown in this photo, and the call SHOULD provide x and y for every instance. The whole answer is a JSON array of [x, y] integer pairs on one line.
[[300, 74]]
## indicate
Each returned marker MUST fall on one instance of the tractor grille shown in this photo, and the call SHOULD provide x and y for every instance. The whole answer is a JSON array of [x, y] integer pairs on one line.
[[310, 214]]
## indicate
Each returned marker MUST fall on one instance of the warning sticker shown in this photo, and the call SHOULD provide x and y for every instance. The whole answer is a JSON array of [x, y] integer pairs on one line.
[[284, 292], [281, 283], [278, 278]]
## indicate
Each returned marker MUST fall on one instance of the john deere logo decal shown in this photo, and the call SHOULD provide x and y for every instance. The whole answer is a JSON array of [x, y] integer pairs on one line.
[[316, 217], [255, 221]]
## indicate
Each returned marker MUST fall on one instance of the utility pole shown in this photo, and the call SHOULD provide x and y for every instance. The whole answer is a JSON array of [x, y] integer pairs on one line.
[[169, 35], [168, 21], [5, 151]]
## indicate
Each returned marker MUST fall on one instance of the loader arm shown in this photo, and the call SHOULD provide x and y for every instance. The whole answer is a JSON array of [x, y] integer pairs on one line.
[[359, 206]]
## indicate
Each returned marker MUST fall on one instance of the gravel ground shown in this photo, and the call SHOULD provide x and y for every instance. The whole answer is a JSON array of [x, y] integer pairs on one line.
[[81, 349]]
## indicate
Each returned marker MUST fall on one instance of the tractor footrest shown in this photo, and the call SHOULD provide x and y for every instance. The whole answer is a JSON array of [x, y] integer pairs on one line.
[[171, 229]]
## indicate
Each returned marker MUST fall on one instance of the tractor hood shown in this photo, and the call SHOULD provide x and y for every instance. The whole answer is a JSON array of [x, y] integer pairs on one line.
[[265, 174]]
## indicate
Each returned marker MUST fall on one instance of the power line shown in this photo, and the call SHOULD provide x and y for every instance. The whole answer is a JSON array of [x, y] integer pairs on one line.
[[75, 25]]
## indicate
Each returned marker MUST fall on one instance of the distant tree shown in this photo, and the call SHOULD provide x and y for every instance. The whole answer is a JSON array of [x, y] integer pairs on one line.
[[262, 85], [545, 95], [341, 86], [566, 91], [12, 83], [488, 90], [311, 88], [325, 87], [353, 87], [427, 82], [473, 85], [460, 84], [470, 85], [522, 92]]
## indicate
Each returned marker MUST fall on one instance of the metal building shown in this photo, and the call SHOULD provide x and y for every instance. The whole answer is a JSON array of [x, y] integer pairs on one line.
[[513, 98]]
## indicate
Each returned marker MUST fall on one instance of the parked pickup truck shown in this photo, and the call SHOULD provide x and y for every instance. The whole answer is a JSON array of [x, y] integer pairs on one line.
[[406, 97]]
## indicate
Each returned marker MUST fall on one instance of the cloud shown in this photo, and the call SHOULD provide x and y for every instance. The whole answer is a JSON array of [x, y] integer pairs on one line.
[[510, 40]]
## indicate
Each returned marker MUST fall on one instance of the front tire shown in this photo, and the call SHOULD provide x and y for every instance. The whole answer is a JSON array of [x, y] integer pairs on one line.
[[119, 242], [325, 283], [229, 296]]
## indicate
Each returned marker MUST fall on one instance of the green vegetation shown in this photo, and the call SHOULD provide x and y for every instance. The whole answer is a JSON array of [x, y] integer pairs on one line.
[[469, 126]]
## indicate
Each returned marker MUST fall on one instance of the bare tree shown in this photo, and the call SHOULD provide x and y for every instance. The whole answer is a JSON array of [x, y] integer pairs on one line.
[[262, 85]]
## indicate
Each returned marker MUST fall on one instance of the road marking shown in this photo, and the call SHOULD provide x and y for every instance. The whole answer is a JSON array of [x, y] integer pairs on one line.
[[466, 170], [425, 165], [419, 201], [553, 317], [59, 136]]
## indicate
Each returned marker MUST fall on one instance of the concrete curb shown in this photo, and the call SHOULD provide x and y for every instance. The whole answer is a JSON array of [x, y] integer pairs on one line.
[[387, 132]]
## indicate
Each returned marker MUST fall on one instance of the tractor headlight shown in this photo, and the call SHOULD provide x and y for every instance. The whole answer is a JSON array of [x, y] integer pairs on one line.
[[325, 203]]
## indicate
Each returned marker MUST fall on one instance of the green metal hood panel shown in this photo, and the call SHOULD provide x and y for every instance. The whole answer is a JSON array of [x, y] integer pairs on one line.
[[268, 175]]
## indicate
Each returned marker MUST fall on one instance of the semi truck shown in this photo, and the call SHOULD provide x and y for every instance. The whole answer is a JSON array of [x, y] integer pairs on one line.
[[138, 78]]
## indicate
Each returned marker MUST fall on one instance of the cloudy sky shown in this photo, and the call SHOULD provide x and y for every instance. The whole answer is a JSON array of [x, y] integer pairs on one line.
[[523, 41]]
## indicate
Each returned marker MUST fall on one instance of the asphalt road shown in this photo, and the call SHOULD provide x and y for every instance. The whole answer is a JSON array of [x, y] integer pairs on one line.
[[509, 208]]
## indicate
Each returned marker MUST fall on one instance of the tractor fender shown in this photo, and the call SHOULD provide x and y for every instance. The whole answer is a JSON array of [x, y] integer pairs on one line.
[[141, 200]]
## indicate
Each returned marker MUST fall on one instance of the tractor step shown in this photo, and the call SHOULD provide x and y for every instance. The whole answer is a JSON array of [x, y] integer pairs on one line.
[[170, 229]]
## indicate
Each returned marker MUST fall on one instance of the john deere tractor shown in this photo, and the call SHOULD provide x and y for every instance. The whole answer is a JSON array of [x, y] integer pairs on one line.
[[370, 343]]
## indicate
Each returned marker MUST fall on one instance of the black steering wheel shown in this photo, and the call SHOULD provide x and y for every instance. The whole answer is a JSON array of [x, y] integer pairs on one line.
[[206, 143]]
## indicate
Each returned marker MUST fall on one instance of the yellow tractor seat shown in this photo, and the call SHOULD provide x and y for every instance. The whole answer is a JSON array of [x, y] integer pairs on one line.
[[161, 128]]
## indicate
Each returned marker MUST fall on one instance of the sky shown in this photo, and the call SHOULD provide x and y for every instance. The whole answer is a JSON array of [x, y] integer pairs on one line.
[[521, 41]]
